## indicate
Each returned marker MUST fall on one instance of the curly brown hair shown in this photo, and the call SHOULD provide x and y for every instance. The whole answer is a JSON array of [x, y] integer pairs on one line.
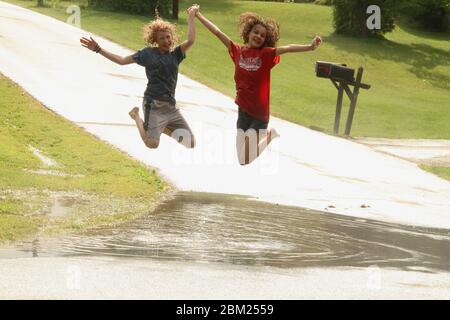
[[151, 29], [248, 20]]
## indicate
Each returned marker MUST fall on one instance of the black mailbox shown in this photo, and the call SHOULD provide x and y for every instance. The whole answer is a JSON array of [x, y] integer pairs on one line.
[[334, 71], [342, 78]]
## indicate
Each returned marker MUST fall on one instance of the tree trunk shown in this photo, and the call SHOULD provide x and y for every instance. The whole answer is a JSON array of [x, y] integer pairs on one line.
[[40, 3], [175, 9]]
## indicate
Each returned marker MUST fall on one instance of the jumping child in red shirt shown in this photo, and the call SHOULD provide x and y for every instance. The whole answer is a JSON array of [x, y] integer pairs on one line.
[[253, 62]]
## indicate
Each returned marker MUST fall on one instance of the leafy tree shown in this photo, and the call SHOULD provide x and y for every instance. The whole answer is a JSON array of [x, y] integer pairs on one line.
[[146, 7], [430, 14], [350, 16]]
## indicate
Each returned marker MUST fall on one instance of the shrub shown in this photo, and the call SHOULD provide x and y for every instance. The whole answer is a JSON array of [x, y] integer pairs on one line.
[[296, 1], [350, 16], [324, 2], [430, 14], [146, 7]]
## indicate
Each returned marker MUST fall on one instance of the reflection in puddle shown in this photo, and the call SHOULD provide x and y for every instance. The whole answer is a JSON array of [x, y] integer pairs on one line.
[[231, 229], [61, 206], [58, 209]]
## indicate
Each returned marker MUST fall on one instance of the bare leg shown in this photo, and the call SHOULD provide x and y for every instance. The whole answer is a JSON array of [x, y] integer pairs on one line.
[[246, 146], [134, 114], [151, 143], [250, 144], [242, 147], [266, 139], [168, 132], [182, 136]]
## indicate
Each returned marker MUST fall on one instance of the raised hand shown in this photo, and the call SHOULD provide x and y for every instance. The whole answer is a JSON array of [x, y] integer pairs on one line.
[[91, 44], [316, 42], [193, 10]]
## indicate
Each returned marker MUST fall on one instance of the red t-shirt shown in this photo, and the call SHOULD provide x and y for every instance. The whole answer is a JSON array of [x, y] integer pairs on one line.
[[252, 77]]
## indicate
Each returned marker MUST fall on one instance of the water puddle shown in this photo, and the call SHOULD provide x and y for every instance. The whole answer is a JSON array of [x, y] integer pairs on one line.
[[61, 206], [213, 228]]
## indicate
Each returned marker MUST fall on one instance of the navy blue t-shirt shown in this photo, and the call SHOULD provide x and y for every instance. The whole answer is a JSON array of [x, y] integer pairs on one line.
[[161, 70]]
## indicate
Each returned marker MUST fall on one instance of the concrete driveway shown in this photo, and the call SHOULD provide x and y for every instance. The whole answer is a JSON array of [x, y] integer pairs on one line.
[[304, 168], [109, 278]]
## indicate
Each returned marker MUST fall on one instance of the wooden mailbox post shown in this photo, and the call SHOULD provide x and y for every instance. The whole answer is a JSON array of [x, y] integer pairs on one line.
[[342, 79], [353, 96]]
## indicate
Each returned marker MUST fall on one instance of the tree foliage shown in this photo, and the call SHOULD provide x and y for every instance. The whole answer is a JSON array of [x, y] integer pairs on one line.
[[146, 7], [350, 16]]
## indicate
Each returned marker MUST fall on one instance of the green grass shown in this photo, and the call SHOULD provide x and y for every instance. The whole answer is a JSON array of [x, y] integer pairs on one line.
[[109, 184], [443, 172], [17, 227], [409, 71]]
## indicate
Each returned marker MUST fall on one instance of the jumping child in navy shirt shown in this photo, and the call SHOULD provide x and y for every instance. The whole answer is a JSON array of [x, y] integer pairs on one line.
[[161, 62]]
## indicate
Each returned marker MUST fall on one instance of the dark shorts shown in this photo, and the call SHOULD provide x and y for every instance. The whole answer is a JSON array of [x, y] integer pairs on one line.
[[246, 121]]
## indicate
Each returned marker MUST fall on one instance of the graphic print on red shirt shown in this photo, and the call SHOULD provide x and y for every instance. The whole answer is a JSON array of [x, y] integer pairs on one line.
[[252, 77]]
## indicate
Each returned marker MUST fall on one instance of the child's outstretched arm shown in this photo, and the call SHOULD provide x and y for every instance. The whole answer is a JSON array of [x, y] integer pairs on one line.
[[299, 47], [215, 30], [92, 45], [192, 11]]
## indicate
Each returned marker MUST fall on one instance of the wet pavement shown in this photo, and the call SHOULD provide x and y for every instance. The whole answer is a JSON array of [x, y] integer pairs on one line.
[[303, 168], [234, 230], [383, 220], [433, 152]]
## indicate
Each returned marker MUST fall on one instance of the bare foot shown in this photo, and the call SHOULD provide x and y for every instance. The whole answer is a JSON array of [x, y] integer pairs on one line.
[[273, 134], [134, 113]]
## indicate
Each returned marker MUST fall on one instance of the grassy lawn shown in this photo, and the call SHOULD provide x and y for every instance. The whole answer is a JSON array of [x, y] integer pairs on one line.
[[443, 172], [409, 71], [90, 183]]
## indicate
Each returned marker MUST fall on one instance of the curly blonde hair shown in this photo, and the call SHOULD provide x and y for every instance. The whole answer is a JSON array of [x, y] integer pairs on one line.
[[151, 30], [248, 20]]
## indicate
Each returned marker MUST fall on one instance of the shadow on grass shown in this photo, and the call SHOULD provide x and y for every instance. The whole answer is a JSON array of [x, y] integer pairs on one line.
[[215, 6], [316, 128], [422, 58], [415, 30]]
